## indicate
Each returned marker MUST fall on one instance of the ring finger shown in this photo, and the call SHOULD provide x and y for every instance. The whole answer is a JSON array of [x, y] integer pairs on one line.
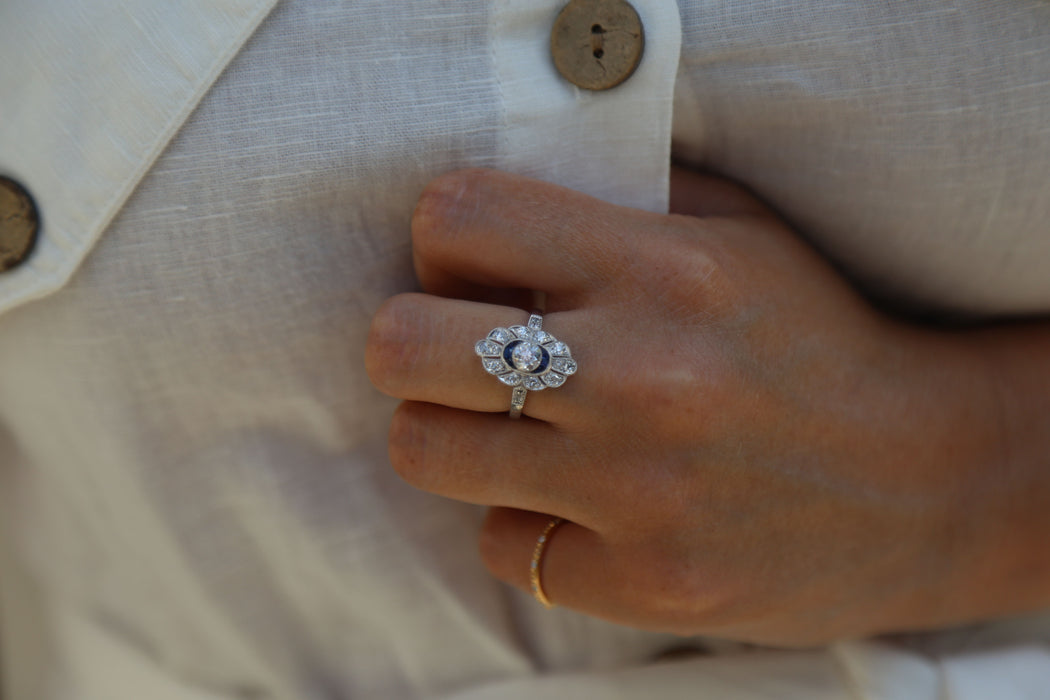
[[421, 348]]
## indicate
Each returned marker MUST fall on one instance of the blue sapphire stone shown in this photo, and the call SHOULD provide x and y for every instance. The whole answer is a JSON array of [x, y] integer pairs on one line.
[[508, 352], [544, 362]]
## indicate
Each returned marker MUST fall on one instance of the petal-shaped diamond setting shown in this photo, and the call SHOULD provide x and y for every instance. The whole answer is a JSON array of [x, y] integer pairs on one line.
[[565, 365], [500, 335], [526, 356], [487, 348], [534, 383], [493, 365], [553, 379], [558, 349], [511, 378]]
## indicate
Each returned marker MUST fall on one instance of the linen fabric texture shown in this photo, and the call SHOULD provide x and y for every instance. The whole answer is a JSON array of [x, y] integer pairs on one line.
[[194, 488]]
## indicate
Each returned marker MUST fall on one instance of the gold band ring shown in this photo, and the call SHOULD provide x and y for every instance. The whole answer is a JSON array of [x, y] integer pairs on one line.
[[537, 562]]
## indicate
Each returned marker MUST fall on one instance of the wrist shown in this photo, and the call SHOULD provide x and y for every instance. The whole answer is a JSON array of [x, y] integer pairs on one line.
[[992, 469], [1015, 576], [973, 507]]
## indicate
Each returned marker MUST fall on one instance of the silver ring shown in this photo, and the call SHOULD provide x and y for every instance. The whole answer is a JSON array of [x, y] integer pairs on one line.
[[525, 358]]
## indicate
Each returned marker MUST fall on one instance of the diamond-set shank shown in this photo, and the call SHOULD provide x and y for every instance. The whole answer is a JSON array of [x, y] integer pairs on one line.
[[517, 401], [526, 358]]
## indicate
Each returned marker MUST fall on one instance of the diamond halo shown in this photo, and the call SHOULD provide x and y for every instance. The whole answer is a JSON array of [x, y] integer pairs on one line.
[[527, 358]]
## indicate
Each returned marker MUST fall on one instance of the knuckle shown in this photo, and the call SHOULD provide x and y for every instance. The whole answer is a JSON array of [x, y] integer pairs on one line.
[[668, 398], [682, 594], [444, 201], [393, 347], [407, 446], [697, 269]]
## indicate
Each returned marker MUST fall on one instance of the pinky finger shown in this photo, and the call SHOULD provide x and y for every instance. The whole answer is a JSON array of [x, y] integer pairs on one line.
[[626, 583], [509, 545]]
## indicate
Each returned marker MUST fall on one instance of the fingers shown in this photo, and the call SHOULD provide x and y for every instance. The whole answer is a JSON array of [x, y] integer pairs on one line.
[[484, 227], [475, 231], [421, 348], [486, 459], [584, 570], [613, 570], [574, 561]]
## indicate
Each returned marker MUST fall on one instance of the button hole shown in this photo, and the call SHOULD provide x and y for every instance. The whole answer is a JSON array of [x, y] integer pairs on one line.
[[597, 29], [598, 53]]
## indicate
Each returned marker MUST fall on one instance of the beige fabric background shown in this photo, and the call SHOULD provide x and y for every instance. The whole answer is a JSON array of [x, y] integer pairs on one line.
[[192, 462]]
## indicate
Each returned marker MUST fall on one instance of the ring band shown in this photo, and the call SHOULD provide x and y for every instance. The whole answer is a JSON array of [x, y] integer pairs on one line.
[[536, 566], [517, 401], [525, 358]]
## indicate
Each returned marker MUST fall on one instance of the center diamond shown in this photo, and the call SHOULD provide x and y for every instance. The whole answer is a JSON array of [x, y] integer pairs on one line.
[[526, 356]]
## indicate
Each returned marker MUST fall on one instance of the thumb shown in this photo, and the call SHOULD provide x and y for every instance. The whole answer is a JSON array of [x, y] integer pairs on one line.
[[700, 194]]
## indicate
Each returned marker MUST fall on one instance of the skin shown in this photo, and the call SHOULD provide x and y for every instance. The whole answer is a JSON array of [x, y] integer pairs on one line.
[[749, 449]]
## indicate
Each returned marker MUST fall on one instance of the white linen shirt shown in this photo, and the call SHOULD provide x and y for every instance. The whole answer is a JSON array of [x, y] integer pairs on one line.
[[194, 492]]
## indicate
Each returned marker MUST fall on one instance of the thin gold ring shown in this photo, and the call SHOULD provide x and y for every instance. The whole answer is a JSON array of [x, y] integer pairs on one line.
[[537, 562]]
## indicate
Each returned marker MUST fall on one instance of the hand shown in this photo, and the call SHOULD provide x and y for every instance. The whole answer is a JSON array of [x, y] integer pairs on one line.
[[748, 449]]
